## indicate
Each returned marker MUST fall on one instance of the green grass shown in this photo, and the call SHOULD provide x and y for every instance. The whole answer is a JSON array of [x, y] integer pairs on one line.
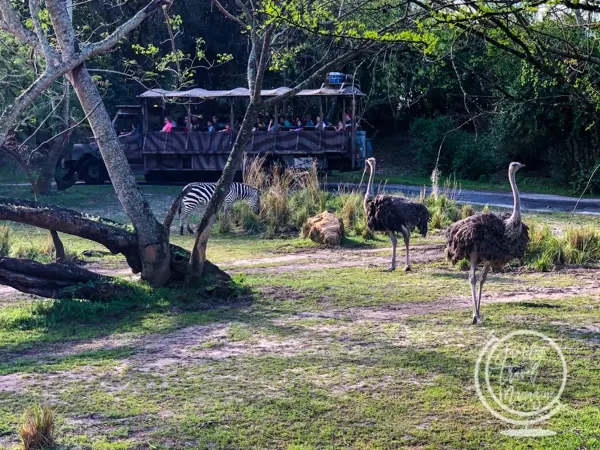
[[311, 359]]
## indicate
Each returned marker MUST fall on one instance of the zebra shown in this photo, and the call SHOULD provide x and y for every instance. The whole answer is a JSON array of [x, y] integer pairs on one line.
[[201, 193]]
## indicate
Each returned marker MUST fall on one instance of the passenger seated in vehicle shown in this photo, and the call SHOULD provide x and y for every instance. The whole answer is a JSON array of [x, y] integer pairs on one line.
[[217, 123], [273, 126], [308, 121], [287, 123], [299, 126], [168, 125], [320, 125], [211, 127], [227, 129]]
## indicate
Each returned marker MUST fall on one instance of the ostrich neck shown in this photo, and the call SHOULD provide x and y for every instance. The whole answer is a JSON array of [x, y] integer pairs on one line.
[[516, 215], [369, 193]]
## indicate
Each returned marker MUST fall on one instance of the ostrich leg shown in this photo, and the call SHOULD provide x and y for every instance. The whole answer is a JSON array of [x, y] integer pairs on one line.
[[394, 243], [473, 281], [406, 236], [484, 274]]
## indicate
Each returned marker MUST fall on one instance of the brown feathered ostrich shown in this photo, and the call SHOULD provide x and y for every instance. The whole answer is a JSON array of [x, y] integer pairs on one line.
[[489, 240], [392, 214]]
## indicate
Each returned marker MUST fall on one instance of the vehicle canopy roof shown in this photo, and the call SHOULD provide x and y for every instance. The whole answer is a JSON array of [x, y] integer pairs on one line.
[[323, 91]]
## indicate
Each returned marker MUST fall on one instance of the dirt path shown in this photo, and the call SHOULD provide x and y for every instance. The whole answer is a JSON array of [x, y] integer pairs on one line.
[[192, 344], [330, 259]]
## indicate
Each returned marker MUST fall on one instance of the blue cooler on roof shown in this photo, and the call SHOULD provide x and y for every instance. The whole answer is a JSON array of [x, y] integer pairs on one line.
[[335, 78]]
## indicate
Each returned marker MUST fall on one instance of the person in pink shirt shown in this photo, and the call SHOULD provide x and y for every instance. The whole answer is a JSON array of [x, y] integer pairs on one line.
[[168, 125]]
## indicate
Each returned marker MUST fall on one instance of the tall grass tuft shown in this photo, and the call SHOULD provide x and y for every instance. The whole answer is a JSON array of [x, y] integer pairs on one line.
[[40, 251], [578, 246], [37, 428], [352, 211], [244, 217], [466, 211], [443, 211], [5, 241]]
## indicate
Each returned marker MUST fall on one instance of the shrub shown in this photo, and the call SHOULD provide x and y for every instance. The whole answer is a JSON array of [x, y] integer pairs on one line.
[[351, 210], [466, 211], [442, 210], [224, 225], [5, 241], [245, 217], [463, 264], [37, 428]]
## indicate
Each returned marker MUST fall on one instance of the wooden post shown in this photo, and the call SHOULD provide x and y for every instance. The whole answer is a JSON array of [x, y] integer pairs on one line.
[[231, 115], [275, 116]]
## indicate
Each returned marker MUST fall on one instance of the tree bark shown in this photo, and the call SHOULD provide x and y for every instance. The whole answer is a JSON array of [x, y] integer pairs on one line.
[[59, 280], [198, 256], [112, 235], [152, 236]]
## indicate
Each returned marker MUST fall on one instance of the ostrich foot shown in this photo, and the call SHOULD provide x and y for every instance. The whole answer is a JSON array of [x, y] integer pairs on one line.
[[407, 268], [477, 320], [390, 269]]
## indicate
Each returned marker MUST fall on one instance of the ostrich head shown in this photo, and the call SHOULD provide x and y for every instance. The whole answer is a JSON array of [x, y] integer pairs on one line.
[[514, 167], [371, 163]]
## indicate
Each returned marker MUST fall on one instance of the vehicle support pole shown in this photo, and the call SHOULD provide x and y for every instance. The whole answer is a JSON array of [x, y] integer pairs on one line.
[[353, 138], [231, 115]]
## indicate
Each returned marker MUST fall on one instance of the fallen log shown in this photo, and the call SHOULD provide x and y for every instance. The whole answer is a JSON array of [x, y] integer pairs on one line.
[[113, 235], [59, 280]]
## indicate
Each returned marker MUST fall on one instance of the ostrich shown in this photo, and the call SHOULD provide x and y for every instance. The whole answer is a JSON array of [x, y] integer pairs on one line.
[[489, 240], [392, 214]]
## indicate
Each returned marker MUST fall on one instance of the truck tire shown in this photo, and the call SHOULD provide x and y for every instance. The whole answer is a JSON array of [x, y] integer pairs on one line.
[[93, 172]]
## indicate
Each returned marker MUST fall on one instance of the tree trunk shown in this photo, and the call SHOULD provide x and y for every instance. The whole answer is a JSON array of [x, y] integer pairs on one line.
[[112, 235], [59, 280], [152, 237], [198, 257], [55, 281]]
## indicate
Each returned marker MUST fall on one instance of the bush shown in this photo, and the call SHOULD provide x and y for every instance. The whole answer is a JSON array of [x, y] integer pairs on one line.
[[37, 428], [5, 241], [352, 212], [224, 225], [245, 217], [443, 211], [578, 246], [469, 155], [466, 211]]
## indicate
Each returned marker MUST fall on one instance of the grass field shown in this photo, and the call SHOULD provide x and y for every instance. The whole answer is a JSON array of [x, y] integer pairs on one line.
[[320, 349]]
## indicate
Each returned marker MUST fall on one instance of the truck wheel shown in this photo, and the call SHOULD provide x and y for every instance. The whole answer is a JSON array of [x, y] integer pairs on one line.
[[93, 172]]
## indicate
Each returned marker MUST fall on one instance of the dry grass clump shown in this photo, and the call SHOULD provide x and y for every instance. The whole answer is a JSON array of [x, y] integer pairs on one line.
[[288, 196], [5, 241], [36, 429]]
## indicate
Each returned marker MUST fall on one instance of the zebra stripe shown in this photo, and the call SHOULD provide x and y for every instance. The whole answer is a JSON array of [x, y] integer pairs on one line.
[[201, 193]]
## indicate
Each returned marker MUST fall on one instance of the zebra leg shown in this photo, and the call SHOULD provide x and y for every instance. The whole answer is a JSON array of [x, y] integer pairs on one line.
[[394, 243]]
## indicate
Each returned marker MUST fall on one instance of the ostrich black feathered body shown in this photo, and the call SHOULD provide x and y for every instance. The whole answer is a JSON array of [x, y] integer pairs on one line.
[[489, 237], [391, 213]]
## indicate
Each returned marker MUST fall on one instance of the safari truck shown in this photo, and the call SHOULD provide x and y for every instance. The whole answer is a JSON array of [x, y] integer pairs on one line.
[[194, 152]]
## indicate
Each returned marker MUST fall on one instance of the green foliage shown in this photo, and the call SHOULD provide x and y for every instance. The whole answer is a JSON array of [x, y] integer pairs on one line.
[[466, 211], [465, 154], [5, 241], [245, 217], [546, 251], [443, 211]]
